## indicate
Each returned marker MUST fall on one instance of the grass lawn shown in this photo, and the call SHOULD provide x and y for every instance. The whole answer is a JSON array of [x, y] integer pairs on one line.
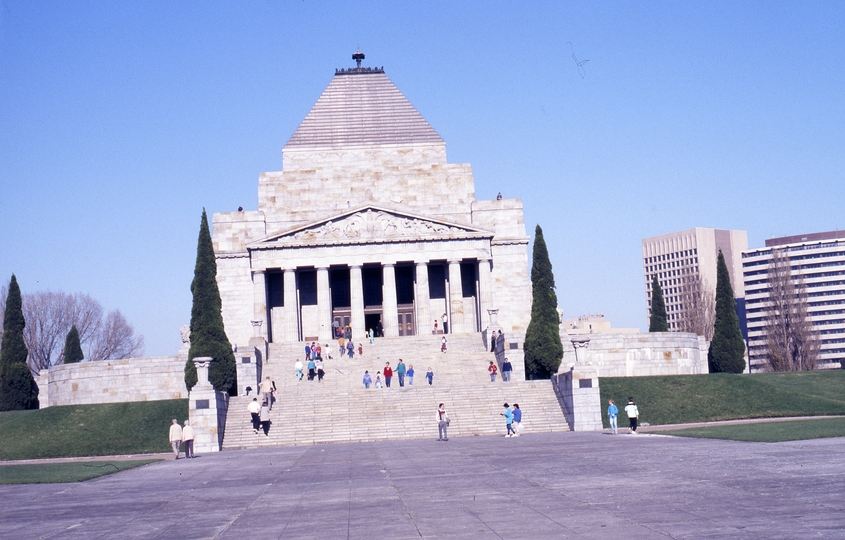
[[55, 473], [89, 430], [701, 398], [796, 430]]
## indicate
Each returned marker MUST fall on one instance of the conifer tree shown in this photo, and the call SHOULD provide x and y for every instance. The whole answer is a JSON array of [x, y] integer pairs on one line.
[[657, 321], [18, 390], [543, 350], [727, 348], [208, 336], [73, 349]]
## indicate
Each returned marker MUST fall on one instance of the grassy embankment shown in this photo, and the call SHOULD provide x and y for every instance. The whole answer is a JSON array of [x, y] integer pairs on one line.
[[89, 430], [55, 473], [702, 398]]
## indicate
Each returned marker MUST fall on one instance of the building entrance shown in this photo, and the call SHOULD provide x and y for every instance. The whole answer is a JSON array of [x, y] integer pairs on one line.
[[373, 320], [406, 320]]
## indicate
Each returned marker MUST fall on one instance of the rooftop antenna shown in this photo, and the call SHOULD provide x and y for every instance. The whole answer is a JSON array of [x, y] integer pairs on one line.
[[358, 56]]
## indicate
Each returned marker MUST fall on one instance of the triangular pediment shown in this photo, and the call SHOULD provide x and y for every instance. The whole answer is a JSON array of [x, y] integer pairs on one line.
[[371, 224]]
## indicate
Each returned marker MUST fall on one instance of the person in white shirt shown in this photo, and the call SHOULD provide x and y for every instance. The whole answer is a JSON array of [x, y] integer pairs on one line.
[[633, 415]]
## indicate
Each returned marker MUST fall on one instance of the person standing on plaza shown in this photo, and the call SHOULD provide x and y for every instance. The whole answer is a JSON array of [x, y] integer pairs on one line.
[[188, 438], [633, 415], [517, 419], [445, 320], [410, 375], [264, 416], [400, 372], [612, 413], [429, 375], [388, 374], [367, 380], [175, 437], [298, 367], [508, 414], [266, 389], [506, 370], [492, 370], [442, 423], [254, 409]]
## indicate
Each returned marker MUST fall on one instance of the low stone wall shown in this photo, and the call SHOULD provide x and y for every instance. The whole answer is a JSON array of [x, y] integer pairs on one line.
[[113, 381], [635, 355]]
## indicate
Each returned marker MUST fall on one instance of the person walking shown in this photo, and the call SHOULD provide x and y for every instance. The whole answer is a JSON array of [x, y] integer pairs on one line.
[[493, 342], [633, 415], [508, 414], [492, 370], [350, 348], [312, 369], [388, 374], [175, 437], [254, 409], [442, 423], [265, 418], [188, 438], [400, 372], [298, 367], [612, 413], [372, 336], [266, 388], [378, 379], [443, 344], [429, 375], [320, 371], [410, 375], [506, 370], [517, 420], [368, 380], [307, 352]]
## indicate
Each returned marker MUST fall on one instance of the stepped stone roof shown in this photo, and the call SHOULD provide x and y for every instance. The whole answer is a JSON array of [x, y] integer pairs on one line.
[[361, 106]]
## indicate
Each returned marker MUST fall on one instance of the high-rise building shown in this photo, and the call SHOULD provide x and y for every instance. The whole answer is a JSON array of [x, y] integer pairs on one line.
[[818, 260], [682, 259]]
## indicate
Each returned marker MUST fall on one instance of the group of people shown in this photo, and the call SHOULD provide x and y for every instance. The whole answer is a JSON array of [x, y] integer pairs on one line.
[[260, 413], [444, 325], [385, 377], [493, 370], [179, 435], [513, 420], [631, 410]]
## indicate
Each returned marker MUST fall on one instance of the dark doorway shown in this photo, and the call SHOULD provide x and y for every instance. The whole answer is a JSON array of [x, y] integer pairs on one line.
[[373, 320], [404, 284], [339, 284], [437, 280], [372, 281], [307, 287]]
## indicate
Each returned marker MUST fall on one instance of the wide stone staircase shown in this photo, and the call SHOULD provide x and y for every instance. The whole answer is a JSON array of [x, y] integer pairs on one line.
[[339, 409]]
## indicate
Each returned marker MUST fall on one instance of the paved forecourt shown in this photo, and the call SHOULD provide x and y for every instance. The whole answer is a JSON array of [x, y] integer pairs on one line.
[[548, 485]]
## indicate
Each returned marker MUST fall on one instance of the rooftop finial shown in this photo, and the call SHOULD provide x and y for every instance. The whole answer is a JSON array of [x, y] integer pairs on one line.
[[358, 56]]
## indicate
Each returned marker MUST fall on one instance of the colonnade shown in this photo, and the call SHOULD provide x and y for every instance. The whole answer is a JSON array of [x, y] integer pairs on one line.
[[288, 323]]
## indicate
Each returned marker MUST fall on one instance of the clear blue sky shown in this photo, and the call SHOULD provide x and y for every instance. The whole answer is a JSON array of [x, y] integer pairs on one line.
[[120, 121]]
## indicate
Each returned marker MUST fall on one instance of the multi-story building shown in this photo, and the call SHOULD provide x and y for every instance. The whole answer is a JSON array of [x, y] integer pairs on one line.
[[682, 258], [819, 260]]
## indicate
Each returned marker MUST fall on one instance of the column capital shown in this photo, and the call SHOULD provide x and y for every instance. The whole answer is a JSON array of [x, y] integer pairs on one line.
[[455, 261], [388, 265], [319, 267], [356, 266], [421, 263]]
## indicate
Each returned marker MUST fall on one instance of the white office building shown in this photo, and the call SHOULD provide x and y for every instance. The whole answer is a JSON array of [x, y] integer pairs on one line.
[[819, 259]]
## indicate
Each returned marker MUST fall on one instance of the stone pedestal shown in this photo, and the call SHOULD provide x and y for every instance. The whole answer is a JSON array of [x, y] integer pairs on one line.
[[578, 391], [207, 410], [250, 363]]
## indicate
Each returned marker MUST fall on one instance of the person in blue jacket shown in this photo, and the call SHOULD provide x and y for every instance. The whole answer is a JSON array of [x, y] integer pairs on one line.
[[517, 419], [612, 413], [508, 414]]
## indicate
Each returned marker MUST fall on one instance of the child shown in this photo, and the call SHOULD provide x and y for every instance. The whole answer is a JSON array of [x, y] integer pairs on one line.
[[492, 370], [378, 379], [410, 375], [360, 350], [367, 379], [429, 375], [443, 344]]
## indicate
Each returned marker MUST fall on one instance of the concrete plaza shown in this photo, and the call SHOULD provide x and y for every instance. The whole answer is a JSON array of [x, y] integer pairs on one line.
[[556, 485]]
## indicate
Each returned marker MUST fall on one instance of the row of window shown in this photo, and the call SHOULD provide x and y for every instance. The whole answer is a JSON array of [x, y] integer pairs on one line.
[[797, 268], [817, 275], [671, 256], [797, 258], [792, 249]]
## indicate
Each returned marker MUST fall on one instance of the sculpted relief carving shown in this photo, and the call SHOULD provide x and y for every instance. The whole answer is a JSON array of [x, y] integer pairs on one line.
[[375, 225]]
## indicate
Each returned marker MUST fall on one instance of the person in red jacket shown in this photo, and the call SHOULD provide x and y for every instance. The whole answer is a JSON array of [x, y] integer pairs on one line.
[[388, 374]]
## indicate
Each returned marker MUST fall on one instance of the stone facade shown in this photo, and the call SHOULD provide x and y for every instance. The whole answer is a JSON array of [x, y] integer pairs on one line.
[[369, 226], [637, 355], [113, 381]]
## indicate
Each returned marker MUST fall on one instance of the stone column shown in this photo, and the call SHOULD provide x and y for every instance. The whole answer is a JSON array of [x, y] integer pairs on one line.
[[422, 300], [390, 310], [456, 298], [207, 410], [485, 292], [324, 303], [259, 299], [356, 294], [291, 330]]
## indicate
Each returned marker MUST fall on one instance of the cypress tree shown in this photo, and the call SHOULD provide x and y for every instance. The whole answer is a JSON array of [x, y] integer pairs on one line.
[[73, 349], [18, 390], [657, 321], [543, 350], [208, 336], [727, 348]]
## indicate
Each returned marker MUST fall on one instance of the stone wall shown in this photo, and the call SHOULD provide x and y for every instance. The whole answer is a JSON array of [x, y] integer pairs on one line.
[[636, 355], [114, 381]]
